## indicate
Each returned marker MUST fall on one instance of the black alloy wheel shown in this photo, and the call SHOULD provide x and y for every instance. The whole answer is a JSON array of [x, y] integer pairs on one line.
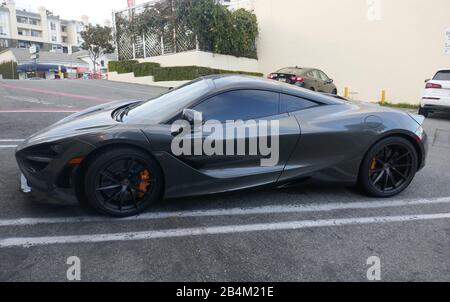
[[123, 182], [389, 168]]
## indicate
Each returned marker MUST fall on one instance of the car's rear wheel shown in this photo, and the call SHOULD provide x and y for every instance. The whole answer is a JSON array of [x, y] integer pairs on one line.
[[335, 92], [122, 182], [389, 167], [424, 112]]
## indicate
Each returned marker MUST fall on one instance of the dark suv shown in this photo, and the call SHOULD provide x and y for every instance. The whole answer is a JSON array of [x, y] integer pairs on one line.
[[309, 78]]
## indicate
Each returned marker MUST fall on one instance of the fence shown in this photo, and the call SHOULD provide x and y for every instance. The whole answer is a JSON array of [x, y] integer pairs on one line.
[[173, 38]]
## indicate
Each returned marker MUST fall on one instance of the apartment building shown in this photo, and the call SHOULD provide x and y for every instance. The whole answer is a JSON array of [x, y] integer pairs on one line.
[[21, 29]]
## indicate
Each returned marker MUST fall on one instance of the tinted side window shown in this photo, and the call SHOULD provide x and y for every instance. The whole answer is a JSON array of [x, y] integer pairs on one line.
[[240, 105], [291, 103]]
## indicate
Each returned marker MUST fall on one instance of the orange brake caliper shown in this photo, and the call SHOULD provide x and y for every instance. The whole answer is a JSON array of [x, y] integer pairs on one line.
[[145, 182], [373, 165]]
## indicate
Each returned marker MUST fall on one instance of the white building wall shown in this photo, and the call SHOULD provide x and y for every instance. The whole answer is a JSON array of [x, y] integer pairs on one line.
[[56, 32], [365, 45], [4, 25]]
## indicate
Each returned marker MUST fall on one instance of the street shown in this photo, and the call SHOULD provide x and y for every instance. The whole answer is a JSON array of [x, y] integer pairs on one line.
[[311, 232]]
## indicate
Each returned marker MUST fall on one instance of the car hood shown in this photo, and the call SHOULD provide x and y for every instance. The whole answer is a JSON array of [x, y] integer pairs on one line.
[[91, 119]]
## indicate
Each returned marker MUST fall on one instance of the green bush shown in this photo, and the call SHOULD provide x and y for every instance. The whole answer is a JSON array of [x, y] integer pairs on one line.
[[9, 70], [188, 73], [122, 66], [145, 69], [216, 27], [401, 105], [178, 73]]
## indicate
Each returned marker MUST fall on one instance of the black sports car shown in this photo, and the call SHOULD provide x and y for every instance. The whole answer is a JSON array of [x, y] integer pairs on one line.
[[119, 157]]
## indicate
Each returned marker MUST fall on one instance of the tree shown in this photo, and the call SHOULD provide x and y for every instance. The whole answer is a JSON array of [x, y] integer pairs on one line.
[[97, 41]]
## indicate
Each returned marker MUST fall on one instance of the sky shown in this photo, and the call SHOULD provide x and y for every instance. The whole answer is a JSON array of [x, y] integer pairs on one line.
[[97, 10]]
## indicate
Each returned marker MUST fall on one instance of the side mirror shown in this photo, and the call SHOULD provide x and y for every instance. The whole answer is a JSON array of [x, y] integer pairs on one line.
[[426, 81], [330, 81], [193, 117]]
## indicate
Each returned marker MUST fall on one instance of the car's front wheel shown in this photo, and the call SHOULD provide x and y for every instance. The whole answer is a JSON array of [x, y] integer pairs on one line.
[[389, 167], [122, 182]]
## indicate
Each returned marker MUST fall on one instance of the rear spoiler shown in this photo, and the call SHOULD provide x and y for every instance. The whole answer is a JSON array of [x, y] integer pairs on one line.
[[420, 119]]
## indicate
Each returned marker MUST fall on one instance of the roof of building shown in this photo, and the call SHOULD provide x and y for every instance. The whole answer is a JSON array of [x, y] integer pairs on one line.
[[24, 13], [22, 56]]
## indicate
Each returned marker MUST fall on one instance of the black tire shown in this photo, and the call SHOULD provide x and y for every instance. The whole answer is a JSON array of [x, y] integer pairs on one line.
[[335, 92], [424, 112], [312, 89], [113, 182], [389, 167]]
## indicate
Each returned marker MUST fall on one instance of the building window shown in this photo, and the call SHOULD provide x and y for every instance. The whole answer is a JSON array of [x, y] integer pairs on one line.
[[21, 32], [54, 39], [35, 33], [64, 39], [22, 20], [64, 28], [34, 22], [3, 31], [52, 26], [3, 43], [23, 44]]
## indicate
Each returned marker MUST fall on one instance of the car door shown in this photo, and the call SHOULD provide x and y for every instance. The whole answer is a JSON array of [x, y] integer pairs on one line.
[[313, 80], [331, 146], [258, 106], [326, 82]]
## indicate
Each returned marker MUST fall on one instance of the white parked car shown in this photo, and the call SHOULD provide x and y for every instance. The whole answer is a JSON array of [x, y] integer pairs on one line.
[[436, 96]]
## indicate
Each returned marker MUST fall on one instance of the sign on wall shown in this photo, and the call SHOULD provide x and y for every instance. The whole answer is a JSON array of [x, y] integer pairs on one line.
[[447, 41]]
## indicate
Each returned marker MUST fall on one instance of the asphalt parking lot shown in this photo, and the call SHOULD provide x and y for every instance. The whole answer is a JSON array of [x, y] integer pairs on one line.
[[306, 233]]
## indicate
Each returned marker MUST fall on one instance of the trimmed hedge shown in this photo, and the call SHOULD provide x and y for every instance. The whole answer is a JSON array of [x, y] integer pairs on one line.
[[188, 73], [9, 70], [178, 73], [144, 69], [122, 66]]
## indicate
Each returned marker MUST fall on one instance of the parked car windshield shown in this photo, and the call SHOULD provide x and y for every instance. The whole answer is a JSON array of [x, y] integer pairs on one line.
[[443, 75], [163, 108]]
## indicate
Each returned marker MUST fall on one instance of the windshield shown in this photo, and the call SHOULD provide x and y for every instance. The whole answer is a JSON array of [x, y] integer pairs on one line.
[[443, 75], [163, 108]]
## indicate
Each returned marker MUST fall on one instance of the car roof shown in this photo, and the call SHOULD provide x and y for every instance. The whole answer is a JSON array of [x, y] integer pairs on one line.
[[303, 69], [224, 83]]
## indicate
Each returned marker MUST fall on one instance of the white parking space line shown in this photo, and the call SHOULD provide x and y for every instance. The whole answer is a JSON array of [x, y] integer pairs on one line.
[[231, 212], [8, 143], [11, 140], [214, 230]]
